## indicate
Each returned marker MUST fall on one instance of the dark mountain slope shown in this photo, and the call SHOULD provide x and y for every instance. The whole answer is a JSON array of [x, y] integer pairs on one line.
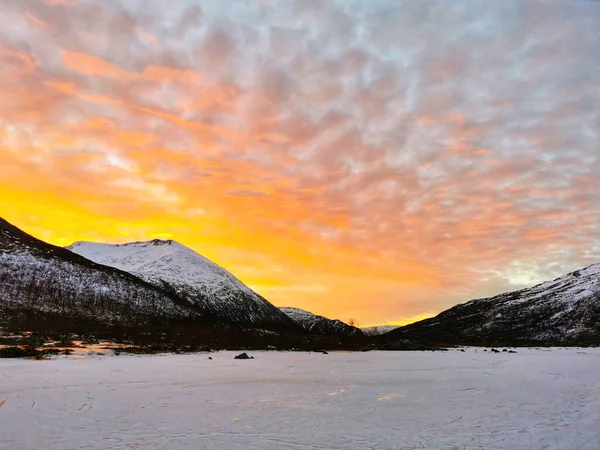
[[42, 278], [321, 325], [565, 311]]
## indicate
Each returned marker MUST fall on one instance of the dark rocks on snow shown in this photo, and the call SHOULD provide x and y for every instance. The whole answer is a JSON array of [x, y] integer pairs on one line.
[[404, 344], [210, 357], [494, 350], [243, 356], [512, 351], [325, 353]]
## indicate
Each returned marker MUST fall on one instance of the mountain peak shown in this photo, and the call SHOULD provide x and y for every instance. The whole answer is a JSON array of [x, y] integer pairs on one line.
[[40, 277], [150, 243], [163, 242], [166, 263]]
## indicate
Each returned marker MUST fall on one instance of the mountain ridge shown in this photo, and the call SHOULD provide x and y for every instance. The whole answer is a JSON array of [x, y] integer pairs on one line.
[[162, 280], [169, 264], [560, 311], [316, 324], [39, 277]]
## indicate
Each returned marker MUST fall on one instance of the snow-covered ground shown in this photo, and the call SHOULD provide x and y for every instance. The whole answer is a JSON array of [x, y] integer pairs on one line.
[[535, 399]]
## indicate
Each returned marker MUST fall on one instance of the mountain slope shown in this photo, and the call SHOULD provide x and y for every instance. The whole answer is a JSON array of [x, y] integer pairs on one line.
[[36, 277], [320, 325], [563, 311], [168, 264], [378, 330]]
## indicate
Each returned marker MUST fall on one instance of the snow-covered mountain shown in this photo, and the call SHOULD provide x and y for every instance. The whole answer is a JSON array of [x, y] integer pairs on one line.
[[172, 266], [36, 277], [320, 325], [563, 311], [378, 330]]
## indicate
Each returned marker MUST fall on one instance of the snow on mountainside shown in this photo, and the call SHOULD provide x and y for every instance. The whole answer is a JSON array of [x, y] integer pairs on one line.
[[168, 264], [378, 329], [319, 324], [36, 277], [565, 310]]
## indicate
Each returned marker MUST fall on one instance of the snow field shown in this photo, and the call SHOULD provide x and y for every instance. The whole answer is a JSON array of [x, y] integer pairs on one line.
[[535, 399]]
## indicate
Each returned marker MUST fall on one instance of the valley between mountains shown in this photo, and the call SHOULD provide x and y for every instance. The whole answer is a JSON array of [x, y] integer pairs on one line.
[[163, 295]]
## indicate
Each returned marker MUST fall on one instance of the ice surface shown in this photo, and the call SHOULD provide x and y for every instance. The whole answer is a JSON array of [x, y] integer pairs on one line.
[[535, 399]]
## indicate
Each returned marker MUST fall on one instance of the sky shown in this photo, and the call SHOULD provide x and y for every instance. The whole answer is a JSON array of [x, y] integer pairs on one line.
[[380, 160]]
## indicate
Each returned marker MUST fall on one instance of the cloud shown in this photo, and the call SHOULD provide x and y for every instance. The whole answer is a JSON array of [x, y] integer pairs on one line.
[[94, 66], [247, 193], [404, 155]]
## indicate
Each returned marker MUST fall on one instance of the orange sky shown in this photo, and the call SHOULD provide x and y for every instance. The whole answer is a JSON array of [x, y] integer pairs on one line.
[[332, 157]]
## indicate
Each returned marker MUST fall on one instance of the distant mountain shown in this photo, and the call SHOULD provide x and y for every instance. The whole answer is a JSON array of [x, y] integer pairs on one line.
[[378, 330], [39, 278], [564, 311], [320, 325], [169, 265]]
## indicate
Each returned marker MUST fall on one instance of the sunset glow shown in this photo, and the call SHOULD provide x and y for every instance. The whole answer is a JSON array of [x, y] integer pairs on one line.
[[378, 160]]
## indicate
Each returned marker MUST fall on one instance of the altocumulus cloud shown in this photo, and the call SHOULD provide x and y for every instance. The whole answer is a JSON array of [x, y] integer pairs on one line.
[[422, 151]]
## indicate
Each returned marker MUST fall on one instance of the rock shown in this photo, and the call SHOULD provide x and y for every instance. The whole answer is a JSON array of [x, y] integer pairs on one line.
[[325, 353], [242, 356], [495, 350], [512, 351], [504, 350], [252, 357], [462, 350], [485, 349], [210, 357]]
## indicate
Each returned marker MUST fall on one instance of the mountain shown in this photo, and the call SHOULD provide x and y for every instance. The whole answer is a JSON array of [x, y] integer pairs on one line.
[[39, 278], [320, 325], [169, 265], [564, 311], [378, 329]]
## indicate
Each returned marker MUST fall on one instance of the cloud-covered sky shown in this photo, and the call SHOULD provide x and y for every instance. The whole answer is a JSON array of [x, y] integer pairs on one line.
[[374, 159]]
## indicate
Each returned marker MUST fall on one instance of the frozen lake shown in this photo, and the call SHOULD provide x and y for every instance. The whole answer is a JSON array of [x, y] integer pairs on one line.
[[535, 399]]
